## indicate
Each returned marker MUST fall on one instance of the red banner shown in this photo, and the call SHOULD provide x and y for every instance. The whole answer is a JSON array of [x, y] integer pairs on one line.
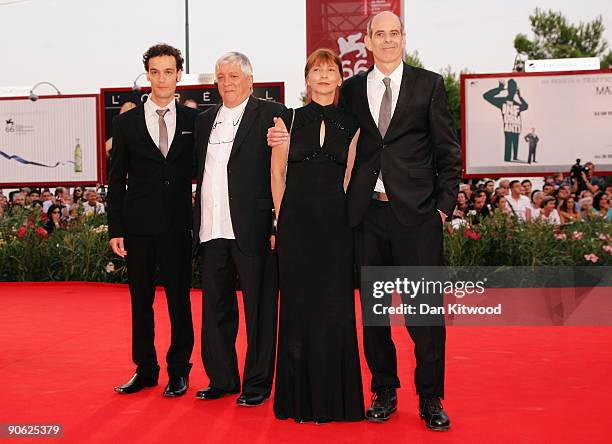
[[340, 25]]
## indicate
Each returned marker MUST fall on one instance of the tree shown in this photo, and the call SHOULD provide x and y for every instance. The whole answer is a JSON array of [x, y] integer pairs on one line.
[[452, 84], [413, 59], [555, 38]]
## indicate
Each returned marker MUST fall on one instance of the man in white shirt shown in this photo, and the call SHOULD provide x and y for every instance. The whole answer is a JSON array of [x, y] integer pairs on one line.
[[91, 206], [232, 227], [519, 204]]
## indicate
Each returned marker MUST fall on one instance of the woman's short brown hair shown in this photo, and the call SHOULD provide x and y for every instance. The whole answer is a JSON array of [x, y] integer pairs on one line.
[[318, 57]]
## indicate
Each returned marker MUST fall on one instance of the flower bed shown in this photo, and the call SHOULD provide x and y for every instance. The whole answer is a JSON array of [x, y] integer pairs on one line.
[[81, 251]]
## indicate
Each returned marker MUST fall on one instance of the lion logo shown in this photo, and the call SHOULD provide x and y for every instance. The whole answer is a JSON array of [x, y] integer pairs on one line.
[[350, 44]]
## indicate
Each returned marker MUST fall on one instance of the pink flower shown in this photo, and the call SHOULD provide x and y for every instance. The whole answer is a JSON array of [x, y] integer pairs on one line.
[[591, 257], [607, 248], [604, 237], [472, 234], [560, 236], [577, 235], [21, 232], [42, 232]]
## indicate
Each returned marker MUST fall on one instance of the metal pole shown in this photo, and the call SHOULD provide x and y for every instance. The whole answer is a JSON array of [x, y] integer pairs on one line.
[[187, 36]]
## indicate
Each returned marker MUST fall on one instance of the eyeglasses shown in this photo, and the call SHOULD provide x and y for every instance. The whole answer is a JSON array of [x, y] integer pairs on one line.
[[219, 122]]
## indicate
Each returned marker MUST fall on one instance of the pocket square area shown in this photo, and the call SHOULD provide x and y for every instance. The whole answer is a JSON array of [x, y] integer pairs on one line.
[[186, 132]]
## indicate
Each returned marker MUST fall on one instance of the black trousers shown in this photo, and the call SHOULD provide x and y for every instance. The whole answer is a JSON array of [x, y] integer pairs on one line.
[[167, 257], [221, 259], [382, 240]]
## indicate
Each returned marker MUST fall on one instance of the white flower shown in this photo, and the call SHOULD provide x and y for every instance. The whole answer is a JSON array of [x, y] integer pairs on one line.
[[100, 229], [110, 267]]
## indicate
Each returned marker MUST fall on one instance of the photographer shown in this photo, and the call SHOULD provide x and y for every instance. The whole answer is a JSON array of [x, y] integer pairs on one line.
[[583, 179]]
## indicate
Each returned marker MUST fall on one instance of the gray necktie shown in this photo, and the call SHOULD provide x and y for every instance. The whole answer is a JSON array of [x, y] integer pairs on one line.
[[384, 116], [163, 132]]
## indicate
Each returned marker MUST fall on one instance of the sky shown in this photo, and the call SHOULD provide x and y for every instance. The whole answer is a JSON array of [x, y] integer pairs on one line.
[[84, 45]]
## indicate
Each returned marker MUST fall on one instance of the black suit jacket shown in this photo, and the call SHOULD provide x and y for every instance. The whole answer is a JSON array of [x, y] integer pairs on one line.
[[158, 196], [419, 156], [248, 174]]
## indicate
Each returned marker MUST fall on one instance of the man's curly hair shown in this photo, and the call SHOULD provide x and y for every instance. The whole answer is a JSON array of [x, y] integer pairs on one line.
[[162, 49]]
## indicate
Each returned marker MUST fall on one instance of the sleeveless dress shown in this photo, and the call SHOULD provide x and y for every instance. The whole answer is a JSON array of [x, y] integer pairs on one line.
[[318, 375]]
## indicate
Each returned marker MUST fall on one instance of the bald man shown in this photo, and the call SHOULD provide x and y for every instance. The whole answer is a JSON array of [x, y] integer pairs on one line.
[[404, 185]]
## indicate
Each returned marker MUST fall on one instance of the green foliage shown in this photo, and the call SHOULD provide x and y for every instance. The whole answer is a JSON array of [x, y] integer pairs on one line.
[[452, 85], [81, 251], [556, 38], [506, 241], [413, 59]]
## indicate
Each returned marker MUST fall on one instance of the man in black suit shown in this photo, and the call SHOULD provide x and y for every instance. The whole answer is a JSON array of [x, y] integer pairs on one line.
[[150, 223], [232, 228], [403, 186]]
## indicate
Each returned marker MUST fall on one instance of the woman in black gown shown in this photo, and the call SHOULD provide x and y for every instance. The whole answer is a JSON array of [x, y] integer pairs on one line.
[[318, 376]]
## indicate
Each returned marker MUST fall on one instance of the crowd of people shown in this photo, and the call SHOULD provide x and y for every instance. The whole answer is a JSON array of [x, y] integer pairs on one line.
[[560, 201], [53, 210]]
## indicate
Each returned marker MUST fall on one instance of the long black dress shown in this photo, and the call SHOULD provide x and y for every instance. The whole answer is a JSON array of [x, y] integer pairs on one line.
[[318, 375]]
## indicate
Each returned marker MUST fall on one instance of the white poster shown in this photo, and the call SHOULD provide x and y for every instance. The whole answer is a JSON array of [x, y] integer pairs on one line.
[[531, 124], [50, 141]]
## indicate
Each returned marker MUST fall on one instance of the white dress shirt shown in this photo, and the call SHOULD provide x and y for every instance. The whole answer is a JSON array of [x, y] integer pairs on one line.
[[376, 91], [89, 210], [519, 205], [216, 219], [152, 120]]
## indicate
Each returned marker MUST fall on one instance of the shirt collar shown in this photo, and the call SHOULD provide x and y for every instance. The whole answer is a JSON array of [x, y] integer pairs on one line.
[[151, 107], [237, 110], [395, 76]]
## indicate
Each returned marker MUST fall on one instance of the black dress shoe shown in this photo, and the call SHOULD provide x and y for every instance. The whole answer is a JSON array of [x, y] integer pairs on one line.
[[136, 384], [177, 386], [210, 393], [433, 414], [247, 400], [384, 403]]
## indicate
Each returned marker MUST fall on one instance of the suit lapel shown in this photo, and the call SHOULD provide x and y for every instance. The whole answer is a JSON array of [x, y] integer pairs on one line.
[[151, 149], [175, 147], [363, 95], [405, 94], [248, 118]]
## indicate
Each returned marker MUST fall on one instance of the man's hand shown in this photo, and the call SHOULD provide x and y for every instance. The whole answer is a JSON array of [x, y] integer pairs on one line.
[[272, 242], [277, 136], [117, 246]]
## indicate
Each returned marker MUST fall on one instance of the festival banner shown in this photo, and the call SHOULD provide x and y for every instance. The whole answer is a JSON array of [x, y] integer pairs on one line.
[[340, 25]]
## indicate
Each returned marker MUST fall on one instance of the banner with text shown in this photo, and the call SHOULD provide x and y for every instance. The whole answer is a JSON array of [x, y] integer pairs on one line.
[[533, 124], [50, 141], [114, 101]]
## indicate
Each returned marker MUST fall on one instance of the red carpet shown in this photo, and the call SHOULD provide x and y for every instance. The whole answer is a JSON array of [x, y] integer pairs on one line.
[[65, 345]]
